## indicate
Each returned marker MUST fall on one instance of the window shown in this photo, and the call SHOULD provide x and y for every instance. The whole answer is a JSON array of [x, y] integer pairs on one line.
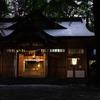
[[94, 52], [57, 50], [75, 51]]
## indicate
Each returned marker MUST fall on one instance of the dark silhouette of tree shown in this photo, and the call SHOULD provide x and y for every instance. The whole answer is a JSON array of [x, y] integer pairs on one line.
[[53, 8], [97, 31], [3, 8]]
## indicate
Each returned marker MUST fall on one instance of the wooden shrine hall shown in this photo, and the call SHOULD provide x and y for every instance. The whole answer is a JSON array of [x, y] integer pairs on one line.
[[40, 47]]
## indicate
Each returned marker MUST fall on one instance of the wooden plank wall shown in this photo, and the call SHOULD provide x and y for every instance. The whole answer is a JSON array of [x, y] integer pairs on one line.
[[57, 66], [7, 65]]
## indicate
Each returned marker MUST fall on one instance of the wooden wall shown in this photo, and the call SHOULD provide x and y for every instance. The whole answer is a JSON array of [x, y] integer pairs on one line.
[[57, 65], [7, 65]]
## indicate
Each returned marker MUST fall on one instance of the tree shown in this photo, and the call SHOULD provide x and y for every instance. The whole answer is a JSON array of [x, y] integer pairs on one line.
[[20, 8], [3, 8], [97, 29], [54, 8]]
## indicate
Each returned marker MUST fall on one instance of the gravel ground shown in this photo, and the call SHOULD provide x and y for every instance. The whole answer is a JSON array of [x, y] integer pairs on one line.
[[48, 92]]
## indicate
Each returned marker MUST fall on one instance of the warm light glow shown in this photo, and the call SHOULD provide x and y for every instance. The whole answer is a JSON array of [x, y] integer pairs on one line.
[[38, 65], [74, 61], [33, 56], [33, 68], [37, 68]]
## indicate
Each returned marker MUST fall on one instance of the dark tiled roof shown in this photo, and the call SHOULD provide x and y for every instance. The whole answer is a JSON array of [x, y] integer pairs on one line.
[[36, 28], [73, 28]]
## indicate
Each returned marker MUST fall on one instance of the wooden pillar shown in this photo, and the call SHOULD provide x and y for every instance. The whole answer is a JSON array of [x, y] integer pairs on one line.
[[15, 64]]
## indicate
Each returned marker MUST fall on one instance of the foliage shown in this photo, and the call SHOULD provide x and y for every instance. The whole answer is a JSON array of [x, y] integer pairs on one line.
[[51, 8], [3, 8]]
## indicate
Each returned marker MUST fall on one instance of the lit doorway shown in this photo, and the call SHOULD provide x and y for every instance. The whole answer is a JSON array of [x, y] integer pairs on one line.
[[32, 64]]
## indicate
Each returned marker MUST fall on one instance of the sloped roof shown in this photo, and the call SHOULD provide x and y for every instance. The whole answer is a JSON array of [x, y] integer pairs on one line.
[[73, 29], [36, 28], [29, 29], [38, 20], [3, 28], [6, 24]]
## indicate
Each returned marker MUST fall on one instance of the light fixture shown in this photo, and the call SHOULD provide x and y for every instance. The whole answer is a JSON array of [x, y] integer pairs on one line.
[[33, 56], [74, 59], [38, 65]]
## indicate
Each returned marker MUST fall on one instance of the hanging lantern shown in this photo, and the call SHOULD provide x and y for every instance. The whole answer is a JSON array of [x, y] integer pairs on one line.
[[74, 59]]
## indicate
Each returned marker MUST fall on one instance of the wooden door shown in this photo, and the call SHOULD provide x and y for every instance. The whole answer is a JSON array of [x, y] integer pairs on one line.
[[7, 65], [57, 66]]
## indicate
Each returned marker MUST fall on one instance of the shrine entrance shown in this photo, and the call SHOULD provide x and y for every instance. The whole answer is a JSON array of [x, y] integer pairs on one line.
[[32, 64]]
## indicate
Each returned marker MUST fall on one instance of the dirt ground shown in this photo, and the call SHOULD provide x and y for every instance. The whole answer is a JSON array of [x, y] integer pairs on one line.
[[48, 92]]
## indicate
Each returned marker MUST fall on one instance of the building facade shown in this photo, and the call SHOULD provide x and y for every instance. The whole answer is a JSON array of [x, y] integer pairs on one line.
[[63, 50]]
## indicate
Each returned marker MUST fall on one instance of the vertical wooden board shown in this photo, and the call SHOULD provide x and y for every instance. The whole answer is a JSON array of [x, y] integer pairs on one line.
[[8, 65], [20, 65], [57, 65], [0, 65]]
